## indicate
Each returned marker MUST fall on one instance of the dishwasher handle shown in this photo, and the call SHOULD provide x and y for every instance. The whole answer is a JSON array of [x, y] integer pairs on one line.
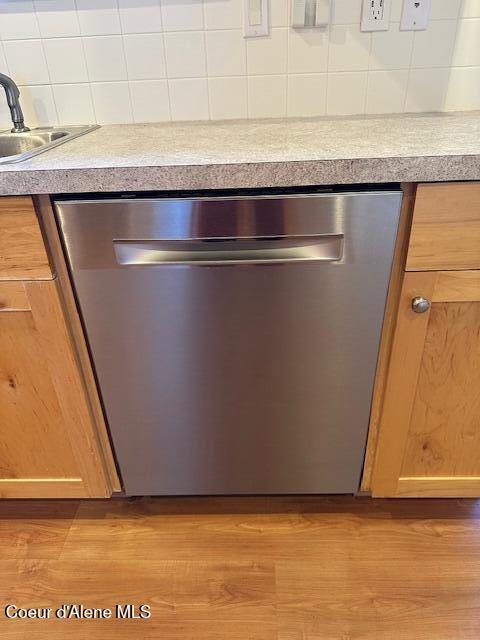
[[230, 251]]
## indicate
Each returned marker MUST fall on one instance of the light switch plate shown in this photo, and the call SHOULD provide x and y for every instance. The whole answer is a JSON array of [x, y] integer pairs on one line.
[[415, 15], [376, 15], [323, 13], [299, 13], [257, 19], [310, 13]]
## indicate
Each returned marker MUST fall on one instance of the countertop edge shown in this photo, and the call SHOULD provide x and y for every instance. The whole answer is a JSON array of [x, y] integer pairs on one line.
[[241, 175]]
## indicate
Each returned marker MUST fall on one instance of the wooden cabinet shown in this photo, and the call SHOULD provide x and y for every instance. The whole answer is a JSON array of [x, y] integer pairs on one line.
[[22, 250], [445, 227], [429, 435], [49, 441]]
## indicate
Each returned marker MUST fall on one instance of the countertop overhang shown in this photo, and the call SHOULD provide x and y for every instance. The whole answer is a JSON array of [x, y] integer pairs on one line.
[[256, 153]]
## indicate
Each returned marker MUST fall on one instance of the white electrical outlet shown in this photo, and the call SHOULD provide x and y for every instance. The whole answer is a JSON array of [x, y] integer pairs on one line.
[[415, 15], [376, 15]]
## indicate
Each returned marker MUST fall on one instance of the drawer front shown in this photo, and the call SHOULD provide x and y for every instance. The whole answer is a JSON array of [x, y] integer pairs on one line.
[[446, 227], [22, 250]]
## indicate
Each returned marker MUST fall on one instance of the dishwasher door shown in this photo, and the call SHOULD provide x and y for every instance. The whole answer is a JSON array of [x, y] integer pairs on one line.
[[235, 340]]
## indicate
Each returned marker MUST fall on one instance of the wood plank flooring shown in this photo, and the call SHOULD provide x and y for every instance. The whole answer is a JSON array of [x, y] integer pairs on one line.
[[282, 568]]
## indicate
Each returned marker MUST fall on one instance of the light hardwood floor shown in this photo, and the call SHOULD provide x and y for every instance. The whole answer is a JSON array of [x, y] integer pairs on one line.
[[246, 568]]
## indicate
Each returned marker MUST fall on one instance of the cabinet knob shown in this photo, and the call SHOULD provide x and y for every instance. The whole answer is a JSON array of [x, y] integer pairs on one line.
[[420, 305]]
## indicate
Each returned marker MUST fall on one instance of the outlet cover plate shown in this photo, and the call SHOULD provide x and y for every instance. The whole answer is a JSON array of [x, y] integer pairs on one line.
[[375, 15], [415, 15]]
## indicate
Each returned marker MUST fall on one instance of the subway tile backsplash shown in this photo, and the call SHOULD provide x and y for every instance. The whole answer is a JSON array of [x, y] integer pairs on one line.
[[114, 61]]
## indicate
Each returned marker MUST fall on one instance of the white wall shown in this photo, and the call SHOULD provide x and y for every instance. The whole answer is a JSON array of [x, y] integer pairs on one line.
[[106, 61]]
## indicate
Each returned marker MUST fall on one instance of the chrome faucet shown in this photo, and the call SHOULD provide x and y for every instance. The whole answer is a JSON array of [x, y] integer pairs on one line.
[[13, 95]]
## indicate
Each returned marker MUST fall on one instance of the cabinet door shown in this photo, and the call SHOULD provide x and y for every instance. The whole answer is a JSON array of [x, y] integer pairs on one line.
[[429, 440], [47, 439]]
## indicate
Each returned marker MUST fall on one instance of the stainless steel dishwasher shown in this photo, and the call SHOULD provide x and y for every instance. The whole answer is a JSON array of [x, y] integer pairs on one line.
[[235, 339]]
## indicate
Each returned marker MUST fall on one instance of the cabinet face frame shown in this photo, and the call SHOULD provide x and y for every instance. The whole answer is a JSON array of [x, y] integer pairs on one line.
[[402, 385], [389, 323], [102, 441]]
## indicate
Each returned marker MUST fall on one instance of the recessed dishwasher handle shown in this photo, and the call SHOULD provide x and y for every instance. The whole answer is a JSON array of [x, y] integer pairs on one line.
[[225, 251]]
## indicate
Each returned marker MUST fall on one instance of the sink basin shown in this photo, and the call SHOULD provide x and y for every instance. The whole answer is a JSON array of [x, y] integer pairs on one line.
[[15, 147]]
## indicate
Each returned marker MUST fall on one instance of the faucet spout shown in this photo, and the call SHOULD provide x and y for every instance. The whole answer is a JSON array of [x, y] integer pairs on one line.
[[13, 101]]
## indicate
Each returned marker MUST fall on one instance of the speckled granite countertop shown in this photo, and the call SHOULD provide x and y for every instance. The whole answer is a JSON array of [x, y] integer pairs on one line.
[[261, 153]]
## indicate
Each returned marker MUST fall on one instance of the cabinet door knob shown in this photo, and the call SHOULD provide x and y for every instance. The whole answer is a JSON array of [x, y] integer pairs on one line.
[[420, 305]]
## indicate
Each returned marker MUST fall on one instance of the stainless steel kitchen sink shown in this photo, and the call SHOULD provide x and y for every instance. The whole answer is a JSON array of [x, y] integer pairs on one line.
[[15, 147]]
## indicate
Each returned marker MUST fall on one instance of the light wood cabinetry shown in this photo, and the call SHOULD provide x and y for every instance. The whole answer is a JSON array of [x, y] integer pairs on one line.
[[22, 250], [446, 227], [429, 434], [50, 444]]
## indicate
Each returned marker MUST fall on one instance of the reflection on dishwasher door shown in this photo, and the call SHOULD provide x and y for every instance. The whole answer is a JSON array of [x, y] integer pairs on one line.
[[235, 339]]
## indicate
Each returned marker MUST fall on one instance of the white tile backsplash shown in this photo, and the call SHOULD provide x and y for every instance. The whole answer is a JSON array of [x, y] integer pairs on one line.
[[26, 61], [39, 105], [280, 13], [182, 15], [391, 49], [442, 9], [434, 47], [307, 51], [396, 10], [140, 16], [226, 54], [268, 55], [386, 91], [224, 14], [307, 95], [427, 89], [347, 11], [346, 93], [74, 103], [185, 54], [98, 17], [467, 45], [65, 60], [463, 92], [105, 58], [156, 60], [470, 9], [57, 18], [189, 99], [349, 48], [228, 98], [4, 116], [145, 56], [3, 64], [150, 100], [111, 101], [18, 20], [267, 96]]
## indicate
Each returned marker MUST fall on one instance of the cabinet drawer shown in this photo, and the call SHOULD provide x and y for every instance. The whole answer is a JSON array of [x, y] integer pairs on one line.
[[446, 227], [22, 250]]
